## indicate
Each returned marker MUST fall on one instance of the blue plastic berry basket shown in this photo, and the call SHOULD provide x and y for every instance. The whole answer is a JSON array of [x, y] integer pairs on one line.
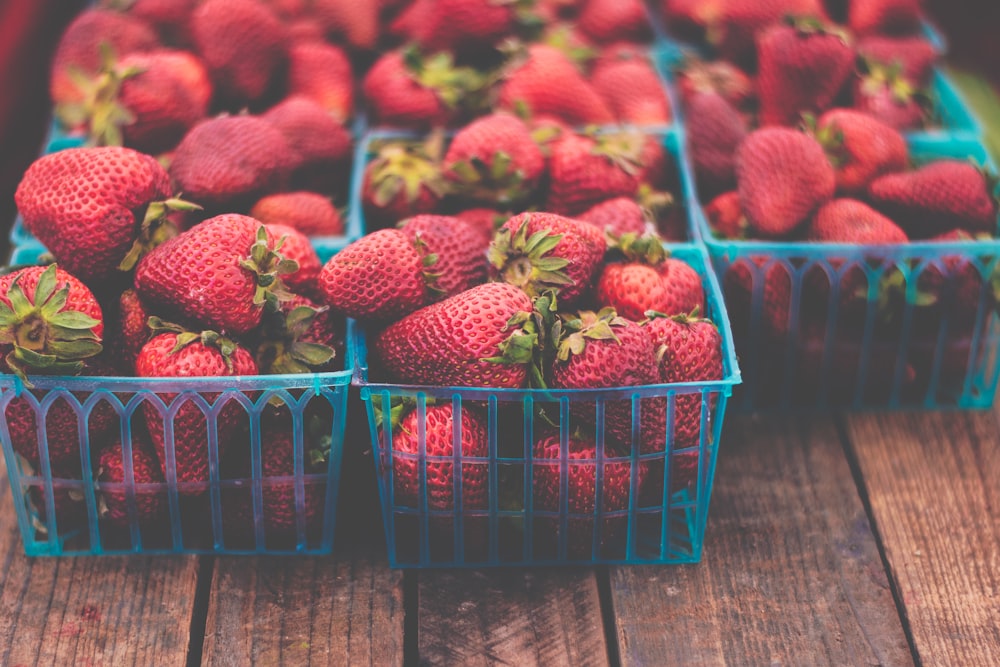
[[930, 342], [236, 509], [501, 522]]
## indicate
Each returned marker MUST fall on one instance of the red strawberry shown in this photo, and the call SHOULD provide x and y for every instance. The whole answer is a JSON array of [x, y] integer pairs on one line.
[[725, 216], [401, 181], [915, 55], [938, 197], [607, 21], [584, 171], [543, 251], [219, 273], [648, 280], [883, 16], [461, 341], [80, 49], [296, 246], [354, 22], [761, 285], [618, 216], [229, 161], [851, 221], [581, 493], [133, 333], [464, 26], [885, 93], [801, 68], [460, 263], [302, 337], [633, 91], [242, 44], [718, 76], [310, 213], [686, 19], [323, 73], [861, 147], [382, 276], [113, 482], [494, 159], [783, 176], [305, 31], [69, 503], [485, 222], [547, 83], [173, 354], [734, 25], [89, 206], [51, 324], [949, 289], [169, 17], [322, 145], [715, 131]]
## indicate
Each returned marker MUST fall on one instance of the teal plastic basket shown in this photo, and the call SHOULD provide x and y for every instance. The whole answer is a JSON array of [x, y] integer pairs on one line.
[[661, 522]]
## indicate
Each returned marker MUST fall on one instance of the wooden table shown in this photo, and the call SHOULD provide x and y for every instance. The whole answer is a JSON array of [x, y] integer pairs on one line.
[[870, 539]]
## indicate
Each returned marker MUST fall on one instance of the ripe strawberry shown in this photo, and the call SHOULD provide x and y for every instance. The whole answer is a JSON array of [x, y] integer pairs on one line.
[[544, 82], [861, 148], [70, 507], [782, 176], [133, 331], [113, 482], [884, 92], [309, 212], [760, 285], [230, 161], [715, 131], [883, 16], [632, 91], [581, 494], [584, 170], [296, 246], [484, 222], [715, 76], [354, 22], [938, 197], [405, 89], [473, 339], [802, 66], [648, 280], [464, 26], [51, 324], [949, 289], [538, 252], [734, 25], [219, 273], [80, 49], [323, 73], [618, 216], [494, 159], [725, 216], [301, 337], [170, 18], [915, 55], [242, 44], [278, 461], [686, 19], [460, 264], [322, 145], [401, 181], [183, 354], [607, 21]]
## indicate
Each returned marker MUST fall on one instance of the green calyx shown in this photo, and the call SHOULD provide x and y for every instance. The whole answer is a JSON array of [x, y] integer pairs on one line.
[[622, 149], [269, 265], [399, 407], [877, 76], [499, 182], [654, 203], [456, 87], [814, 25], [225, 346], [561, 36], [645, 249], [428, 260], [830, 137], [586, 325], [523, 261], [155, 229], [531, 342], [406, 169], [45, 337], [281, 351]]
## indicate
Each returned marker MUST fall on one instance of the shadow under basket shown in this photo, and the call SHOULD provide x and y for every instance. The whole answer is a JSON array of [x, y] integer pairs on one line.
[[241, 465]]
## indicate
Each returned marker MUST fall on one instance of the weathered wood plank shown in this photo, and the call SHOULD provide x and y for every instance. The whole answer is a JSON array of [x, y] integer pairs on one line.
[[790, 574], [933, 481], [91, 611], [510, 617]]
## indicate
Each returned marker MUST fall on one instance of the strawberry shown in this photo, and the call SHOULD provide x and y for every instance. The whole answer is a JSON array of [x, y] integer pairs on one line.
[[725, 216], [405, 89], [69, 504], [544, 82], [584, 170], [543, 251], [95, 208], [323, 73], [473, 339], [883, 16], [354, 22], [938, 197], [309, 212], [648, 280], [883, 91], [464, 26], [229, 161], [686, 19], [380, 277], [80, 51], [760, 285], [460, 264], [133, 332], [296, 246], [783, 175], [916, 56], [802, 66], [485, 222], [715, 131], [632, 91], [494, 159], [851, 221], [715, 76], [50, 323], [301, 337], [242, 44], [175, 353], [322, 145], [113, 482], [581, 464], [607, 21], [618, 216], [401, 181], [170, 18], [949, 289], [219, 273], [861, 148], [734, 25]]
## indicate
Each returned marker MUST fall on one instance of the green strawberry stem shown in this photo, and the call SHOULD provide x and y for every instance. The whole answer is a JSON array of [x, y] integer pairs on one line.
[[280, 350], [269, 265], [522, 261], [583, 326], [645, 249], [155, 229], [225, 346], [402, 168]]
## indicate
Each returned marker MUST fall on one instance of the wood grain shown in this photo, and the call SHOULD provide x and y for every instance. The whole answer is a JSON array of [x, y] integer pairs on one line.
[[510, 617], [91, 611], [790, 574], [933, 481]]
